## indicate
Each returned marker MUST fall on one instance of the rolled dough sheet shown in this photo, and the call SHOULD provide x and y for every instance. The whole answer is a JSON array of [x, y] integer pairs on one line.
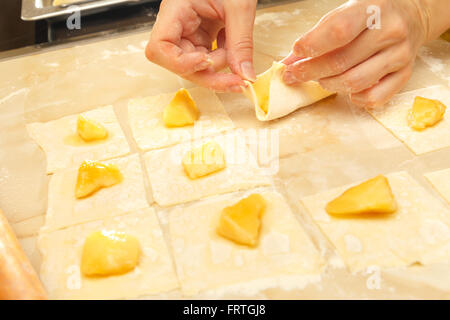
[[29, 227], [393, 116], [441, 182], [65, 210], [64, 148], [170, 184], [418, 232], [282, 99], [149, 131], [205, 261], [61, 256]]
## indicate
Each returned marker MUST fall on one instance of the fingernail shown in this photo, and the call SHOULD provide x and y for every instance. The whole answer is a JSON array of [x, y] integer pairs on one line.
[[203, 65], [289, 77], [247, 71]]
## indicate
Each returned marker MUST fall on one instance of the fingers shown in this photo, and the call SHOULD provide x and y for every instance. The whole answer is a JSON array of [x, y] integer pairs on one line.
[[166, 47], [368, 73], [333, 31], [368, 43], [239, 20], [217, 81], [291, 58], [384, 90]]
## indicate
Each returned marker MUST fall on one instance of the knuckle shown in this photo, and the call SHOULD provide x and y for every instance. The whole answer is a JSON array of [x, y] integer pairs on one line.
[[338, 63], [339, 31], [398, 30], [150, 53]]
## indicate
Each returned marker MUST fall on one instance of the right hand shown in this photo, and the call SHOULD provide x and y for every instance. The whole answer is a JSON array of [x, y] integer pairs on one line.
[[184, 31]]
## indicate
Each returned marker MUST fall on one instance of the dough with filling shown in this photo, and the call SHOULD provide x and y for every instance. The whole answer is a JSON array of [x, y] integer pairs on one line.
[[418, 232], [274, 99], [65, 210], [206, 261], [394, 117], [64, 148], [61, 256], [170, 184], [146, 120], [441, 182]]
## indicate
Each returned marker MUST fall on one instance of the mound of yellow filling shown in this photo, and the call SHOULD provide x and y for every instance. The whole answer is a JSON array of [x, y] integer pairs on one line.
[[241, 222], [90, 130], [93, 175], [425, 113], [107, 253], [181, 110], [202, 161], [372, 196]]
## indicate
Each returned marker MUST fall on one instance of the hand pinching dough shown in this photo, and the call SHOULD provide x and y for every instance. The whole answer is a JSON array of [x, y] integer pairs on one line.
[[150, 132], [61, 257], [171, 185], [441, 182], [274, 99], [394, 116], [418, 231], [64, 209], [206, 261], [65, 148]]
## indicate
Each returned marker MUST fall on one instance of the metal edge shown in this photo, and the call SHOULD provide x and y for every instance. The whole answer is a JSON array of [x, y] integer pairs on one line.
[[30, 13]]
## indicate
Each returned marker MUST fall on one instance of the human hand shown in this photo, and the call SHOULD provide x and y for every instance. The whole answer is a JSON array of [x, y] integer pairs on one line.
[[184, 31], [369, 64]]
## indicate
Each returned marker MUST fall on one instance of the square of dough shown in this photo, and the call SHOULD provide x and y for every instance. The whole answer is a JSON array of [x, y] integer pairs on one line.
[[418, 232], [64, 148], [65, 210], [170, 184], [61, 257], [206, 261], [394, 116], [146, 120], [441, 182]]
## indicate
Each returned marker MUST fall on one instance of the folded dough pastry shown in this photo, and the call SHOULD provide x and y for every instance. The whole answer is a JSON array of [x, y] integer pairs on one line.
[[274, 99]]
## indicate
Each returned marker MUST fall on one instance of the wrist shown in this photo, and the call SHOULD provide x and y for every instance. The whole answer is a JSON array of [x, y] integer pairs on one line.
[[434, 17]]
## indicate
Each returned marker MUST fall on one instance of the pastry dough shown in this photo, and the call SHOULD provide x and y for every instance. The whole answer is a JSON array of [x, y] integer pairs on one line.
[[419, 231], [206, 261], [394, 116], [171, 185], [441, 182], [64, 148], [146, 120], [65, 210], [281, 98], [61, 256]]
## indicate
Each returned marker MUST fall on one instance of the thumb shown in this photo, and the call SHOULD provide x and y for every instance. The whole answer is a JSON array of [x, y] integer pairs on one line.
[[239, 20]]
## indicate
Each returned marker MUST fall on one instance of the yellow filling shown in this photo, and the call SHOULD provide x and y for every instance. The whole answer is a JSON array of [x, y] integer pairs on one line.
[[214, 45], [372, 196], [92, 176], [262, 86], [241, 222], [181, 111], [90, 130], [202, 161], [107, 253], [425, 113]]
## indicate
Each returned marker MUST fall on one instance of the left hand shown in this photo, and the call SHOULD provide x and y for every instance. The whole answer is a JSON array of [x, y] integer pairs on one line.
[[344, 55]]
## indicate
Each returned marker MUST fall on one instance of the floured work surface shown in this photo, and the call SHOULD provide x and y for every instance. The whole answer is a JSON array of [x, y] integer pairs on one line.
[[441, 182], [321, 147]]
